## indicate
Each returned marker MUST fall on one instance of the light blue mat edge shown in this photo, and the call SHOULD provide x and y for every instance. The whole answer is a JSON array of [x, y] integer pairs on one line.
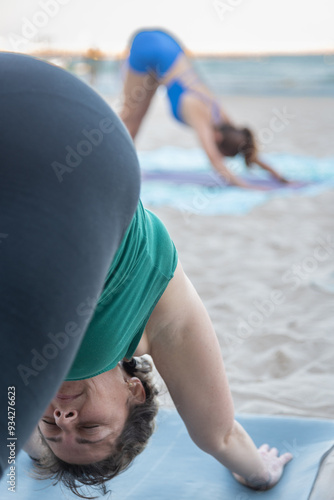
[[317, 173]]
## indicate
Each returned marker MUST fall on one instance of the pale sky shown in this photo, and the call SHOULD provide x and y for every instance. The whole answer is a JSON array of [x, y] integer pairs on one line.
[[204, 26]]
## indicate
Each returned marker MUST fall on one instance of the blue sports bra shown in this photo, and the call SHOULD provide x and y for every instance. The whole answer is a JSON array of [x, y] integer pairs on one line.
[[176, 89]]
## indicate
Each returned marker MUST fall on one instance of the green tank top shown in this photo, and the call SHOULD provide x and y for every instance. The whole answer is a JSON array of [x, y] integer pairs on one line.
[[139, 274]]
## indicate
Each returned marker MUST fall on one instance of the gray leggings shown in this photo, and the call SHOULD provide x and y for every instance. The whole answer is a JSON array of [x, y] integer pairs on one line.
[[69, 186]]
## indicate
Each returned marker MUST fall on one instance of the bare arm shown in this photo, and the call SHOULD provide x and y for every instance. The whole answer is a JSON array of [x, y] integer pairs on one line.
[[197, 116], [269, 169], [187, 354], [206, 136]]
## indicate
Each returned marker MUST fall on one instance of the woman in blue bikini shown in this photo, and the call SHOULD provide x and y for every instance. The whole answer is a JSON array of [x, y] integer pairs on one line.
[[158, 59]]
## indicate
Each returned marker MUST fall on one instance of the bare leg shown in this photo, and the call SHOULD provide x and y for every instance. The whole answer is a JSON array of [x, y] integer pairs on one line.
[[137, 95]]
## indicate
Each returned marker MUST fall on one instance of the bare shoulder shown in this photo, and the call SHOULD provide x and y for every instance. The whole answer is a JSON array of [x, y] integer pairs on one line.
[[176, 306], [143, 346]]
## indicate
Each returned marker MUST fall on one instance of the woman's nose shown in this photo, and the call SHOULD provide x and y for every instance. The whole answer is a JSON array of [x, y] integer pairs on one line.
[[64, 416]]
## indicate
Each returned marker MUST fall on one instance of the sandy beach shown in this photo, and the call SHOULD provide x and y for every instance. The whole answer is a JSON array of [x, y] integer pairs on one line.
[[256, 272], [305, 127]]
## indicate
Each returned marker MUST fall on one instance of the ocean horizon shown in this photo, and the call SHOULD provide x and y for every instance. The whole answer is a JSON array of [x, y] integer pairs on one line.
[[258, 75]]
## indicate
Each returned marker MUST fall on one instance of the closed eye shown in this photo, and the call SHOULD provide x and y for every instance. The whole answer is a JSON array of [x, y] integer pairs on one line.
[[49, 423], [83, 426]]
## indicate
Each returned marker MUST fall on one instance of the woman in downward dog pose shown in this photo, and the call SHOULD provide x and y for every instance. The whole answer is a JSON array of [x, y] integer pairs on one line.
[[103, 413], [156, 58]]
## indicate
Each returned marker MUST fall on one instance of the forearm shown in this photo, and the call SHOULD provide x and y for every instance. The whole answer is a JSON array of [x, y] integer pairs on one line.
[[239, 454], [269, 169], [227, 174], [206, 136]]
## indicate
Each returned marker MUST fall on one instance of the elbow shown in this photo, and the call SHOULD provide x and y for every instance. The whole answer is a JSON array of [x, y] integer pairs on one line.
[[215, 443]]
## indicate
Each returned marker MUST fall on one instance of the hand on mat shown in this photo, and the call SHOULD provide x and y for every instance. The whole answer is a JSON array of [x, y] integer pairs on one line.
[[274, 465], [255, 187], [282, 179]]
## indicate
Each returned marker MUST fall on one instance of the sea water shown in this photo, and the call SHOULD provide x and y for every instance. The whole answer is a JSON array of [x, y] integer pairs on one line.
[[311, 75]]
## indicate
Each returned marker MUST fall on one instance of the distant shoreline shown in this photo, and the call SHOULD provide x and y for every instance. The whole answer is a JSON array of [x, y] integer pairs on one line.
[[193, 55]]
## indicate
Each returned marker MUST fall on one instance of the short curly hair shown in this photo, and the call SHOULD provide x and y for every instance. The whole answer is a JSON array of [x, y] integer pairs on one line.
[[237, 141], [136, 432]]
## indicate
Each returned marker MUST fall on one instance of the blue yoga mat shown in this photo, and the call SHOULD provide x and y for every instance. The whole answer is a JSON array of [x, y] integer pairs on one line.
[[211, 179], [173, 468], [183, 179]]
